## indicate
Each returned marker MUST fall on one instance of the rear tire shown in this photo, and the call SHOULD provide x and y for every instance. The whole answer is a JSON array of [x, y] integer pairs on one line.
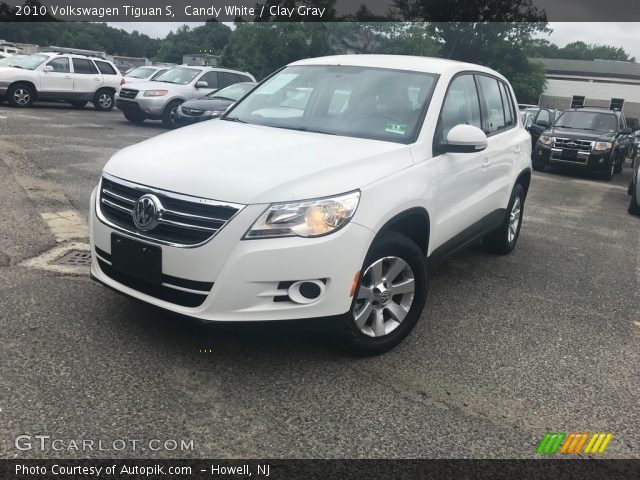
[[103, 100], [134, 117], [634, 206], [504, 239], [20, 95], [391, 294], [169, 115]]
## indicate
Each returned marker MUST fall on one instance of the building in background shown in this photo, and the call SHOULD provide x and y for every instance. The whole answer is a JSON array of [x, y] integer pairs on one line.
[[9, 47], [200, 59], [597, 83]]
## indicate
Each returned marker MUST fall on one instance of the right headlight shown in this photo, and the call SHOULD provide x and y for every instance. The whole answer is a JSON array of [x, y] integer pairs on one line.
[[309, 218]]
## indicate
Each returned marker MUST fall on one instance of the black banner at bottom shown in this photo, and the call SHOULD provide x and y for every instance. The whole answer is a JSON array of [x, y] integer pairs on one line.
[[317, 469]]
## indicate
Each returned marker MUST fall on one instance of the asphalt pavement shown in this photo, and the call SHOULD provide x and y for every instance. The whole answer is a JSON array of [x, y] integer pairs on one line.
[[508, 348]]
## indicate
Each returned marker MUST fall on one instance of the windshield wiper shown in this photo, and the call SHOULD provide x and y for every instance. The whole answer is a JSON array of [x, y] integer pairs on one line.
[[233, 119], [303, 129]]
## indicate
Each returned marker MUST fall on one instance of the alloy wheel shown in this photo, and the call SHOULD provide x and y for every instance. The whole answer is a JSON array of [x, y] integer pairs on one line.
[[21, 96], [104, 100], [385, 296], [514, 220]]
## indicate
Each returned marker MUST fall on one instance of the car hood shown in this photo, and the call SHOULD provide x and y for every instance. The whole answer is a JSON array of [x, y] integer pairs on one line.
[[207, 104], [248, 164], [578, 134]]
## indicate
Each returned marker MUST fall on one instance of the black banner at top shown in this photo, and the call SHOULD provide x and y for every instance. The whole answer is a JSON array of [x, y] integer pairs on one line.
[[321, 10]]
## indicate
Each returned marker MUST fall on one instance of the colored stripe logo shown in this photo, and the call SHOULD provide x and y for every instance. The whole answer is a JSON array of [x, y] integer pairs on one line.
[[573, 443]]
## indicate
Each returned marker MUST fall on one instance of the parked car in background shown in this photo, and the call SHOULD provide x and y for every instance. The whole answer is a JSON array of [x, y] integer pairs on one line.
[[390, 164], [159, 99], [212, 105], [590, 138], [141, 74], [543, 118], [77, 79], [524, 106], [634, 187], [11, 60], [635, 143]]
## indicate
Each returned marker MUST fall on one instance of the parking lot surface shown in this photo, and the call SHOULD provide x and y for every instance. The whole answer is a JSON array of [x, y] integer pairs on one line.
[[508, 348]]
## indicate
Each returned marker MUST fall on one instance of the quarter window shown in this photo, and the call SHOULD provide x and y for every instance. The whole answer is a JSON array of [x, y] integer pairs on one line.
[[82, 66], [60, 65], [493, 103], [461, 105], [105, 68]]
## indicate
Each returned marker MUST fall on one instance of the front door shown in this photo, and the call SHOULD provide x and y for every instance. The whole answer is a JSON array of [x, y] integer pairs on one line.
[[58, 79]]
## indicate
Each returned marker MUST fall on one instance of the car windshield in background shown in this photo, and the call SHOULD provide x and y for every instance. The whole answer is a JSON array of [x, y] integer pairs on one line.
[[31, 62], [596, 121], [181, 76], [141, 72], [363, 102], [232, 92]]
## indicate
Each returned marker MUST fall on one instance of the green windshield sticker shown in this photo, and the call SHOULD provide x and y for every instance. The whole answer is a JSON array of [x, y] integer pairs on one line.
[[399, 128]]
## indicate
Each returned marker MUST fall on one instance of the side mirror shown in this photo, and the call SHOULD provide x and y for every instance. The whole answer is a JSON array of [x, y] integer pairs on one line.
[[202, 84], [543, 123], [465, 139], [626, 131], [528, 122], [47, 68]]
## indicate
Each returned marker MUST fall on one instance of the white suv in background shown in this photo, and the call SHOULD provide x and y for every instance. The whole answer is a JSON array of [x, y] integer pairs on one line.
[[77, 79], [335, 205], [159, 99]]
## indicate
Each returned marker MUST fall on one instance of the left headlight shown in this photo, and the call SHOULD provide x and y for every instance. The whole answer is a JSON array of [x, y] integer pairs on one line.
[[213, 113], [601, 146], [309, 218], [155, 93], [546, 139]]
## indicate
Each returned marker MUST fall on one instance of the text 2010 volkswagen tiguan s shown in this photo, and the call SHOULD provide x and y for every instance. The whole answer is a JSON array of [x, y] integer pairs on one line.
[[326, 192]]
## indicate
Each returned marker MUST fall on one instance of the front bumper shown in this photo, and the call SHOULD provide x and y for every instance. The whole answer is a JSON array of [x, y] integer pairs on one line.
[[151, 107], [546, 155], [247, 274]]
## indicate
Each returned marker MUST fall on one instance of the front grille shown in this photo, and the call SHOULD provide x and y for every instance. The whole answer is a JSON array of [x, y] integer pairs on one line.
[[128, 93], [185, 221], [571, 144], [191, 112]]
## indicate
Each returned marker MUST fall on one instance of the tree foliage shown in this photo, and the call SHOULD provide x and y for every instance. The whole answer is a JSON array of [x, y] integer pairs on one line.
[[577, 51]]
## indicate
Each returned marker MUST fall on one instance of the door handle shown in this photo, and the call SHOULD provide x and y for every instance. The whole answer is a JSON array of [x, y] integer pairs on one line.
[[68, 77], [486, 162]]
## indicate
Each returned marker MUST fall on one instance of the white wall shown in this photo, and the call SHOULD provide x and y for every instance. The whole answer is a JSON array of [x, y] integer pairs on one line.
[[592, 90]]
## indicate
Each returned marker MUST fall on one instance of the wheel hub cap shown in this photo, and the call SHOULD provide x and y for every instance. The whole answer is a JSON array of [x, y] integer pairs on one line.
[[514, 220], [384, 297]]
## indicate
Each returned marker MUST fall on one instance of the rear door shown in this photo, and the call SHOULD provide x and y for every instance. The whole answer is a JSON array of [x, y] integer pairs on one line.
[[86, 77], [59, 79]]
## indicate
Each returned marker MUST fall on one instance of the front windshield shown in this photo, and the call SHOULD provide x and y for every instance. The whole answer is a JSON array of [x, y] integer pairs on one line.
[[599, 122], [344, 100], [141, 72], [181, 76], [32, 61], [232, 92]]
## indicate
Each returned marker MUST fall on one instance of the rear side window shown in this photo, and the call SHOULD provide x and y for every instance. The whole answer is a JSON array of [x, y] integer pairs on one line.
[[461, 105], [60, 65], [83, 66], [225, 79], [495, 120], [105, 68], [212, 80]]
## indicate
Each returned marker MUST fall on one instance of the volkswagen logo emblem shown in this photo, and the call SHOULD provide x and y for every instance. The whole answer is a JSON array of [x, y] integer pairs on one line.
[[147, 212]]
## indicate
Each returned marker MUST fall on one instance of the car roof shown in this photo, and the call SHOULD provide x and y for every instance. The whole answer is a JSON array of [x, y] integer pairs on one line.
[[73, 55], [439, 66], [594, 109]]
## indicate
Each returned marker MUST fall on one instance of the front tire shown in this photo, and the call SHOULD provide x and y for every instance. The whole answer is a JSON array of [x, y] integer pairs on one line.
[[134, 117], [20, 95], [619, 165], [611, 169], [504, 239], [391, 294], [634, 206], [169, 115], [103, 100]]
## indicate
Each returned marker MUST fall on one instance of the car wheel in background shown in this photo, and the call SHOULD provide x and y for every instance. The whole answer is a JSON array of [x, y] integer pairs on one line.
[[103, 100], [504, 240], [634, 206], [134, 117], [20, 95], [389, 299], [619, 164], [169, 116], [611, 169], [78, 103]]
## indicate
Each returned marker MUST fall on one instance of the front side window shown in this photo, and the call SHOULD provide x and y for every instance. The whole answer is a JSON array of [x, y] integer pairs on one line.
[[84, 66], [496, 119], [179, 76], [581, 120], [31, 62], [461, 105], [362, 102], [60, 65]]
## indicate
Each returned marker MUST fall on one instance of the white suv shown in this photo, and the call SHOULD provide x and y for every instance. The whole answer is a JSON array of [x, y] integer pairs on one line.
[[328, 191], [77, 79]]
